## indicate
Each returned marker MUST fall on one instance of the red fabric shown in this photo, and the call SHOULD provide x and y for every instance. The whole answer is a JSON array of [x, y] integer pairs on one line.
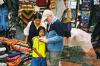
[[41, 1]]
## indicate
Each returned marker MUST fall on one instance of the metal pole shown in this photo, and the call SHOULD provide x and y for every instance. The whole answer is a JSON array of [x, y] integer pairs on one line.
[[77, 8]]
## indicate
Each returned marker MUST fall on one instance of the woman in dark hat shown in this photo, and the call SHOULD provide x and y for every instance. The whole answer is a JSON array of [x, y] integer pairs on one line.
[[31, 29]]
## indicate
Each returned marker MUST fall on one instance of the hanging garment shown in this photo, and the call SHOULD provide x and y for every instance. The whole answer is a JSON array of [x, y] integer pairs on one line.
[[41, 3], [66, 17], [58, 8], [96, 31], [26, 13], [3, 17], [12, 4]]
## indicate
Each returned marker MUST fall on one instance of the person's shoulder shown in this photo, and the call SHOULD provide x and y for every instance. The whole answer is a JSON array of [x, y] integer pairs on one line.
[[57, 22], [30, 22], [36, 37]]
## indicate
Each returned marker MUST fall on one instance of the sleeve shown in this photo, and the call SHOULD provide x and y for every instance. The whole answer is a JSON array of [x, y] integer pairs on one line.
[[55, 39], [26, 30]]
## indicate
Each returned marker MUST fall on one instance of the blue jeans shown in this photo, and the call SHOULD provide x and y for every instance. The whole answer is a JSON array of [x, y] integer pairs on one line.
[[38, 62]]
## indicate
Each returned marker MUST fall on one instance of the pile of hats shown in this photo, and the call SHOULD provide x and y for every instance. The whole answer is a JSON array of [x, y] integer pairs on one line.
[[4, 48]]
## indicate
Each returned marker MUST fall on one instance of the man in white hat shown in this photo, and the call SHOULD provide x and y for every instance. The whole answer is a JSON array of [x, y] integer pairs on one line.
[[54, 37]]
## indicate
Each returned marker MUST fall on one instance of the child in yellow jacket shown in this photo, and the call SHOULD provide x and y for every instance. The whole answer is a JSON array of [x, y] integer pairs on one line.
[[39, 49]]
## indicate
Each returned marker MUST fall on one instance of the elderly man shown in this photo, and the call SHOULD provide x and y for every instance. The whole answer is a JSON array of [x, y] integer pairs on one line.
[[54, 37]]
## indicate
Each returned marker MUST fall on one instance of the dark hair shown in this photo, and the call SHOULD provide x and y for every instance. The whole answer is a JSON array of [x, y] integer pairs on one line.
[[41, 28], [37, 16]]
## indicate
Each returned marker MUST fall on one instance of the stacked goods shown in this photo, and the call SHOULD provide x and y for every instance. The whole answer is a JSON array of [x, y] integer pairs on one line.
[[4, 48], [8, 57], [42, 3], [21, 47], [9, 41], [14, 58], [15, 62], [17, 45]]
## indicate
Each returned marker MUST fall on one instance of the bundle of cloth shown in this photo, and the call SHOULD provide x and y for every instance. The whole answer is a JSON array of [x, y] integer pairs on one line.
[[4, 49], [17, 45]]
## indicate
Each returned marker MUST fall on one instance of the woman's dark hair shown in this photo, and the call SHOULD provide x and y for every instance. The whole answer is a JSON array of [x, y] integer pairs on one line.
[[37, 16], [41, 28]]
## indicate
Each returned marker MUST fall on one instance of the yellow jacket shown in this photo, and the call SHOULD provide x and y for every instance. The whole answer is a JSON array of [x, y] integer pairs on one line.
[[39, 46]]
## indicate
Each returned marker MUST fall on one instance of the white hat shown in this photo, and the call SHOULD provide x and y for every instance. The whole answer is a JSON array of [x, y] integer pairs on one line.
[[46, 13]]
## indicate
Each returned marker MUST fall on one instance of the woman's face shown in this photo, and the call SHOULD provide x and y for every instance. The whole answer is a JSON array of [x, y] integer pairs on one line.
[[37, 21], [41, 33]]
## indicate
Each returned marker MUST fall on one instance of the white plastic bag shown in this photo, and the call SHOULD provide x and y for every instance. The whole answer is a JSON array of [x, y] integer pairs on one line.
[[81, 38]]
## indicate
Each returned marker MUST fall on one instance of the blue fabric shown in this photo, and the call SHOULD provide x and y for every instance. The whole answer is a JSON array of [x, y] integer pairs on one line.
[[38, 62], [4, 17]]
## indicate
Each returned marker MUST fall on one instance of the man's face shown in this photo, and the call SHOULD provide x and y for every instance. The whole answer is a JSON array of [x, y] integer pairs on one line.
[[49, 19], [37, 21]]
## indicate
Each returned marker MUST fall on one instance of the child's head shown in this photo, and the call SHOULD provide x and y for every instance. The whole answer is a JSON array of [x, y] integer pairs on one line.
[[41, 31]]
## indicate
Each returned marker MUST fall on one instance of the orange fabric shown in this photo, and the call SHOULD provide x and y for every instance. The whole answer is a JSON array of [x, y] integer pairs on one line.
[[15, 62]]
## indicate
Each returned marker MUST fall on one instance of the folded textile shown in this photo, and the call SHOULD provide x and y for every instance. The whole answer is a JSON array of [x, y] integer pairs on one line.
[[13, 58], [3, 64], [2, 49], [3, 56]]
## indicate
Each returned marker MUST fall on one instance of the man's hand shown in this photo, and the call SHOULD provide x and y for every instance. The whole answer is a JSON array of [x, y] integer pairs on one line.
[[43, 39]]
